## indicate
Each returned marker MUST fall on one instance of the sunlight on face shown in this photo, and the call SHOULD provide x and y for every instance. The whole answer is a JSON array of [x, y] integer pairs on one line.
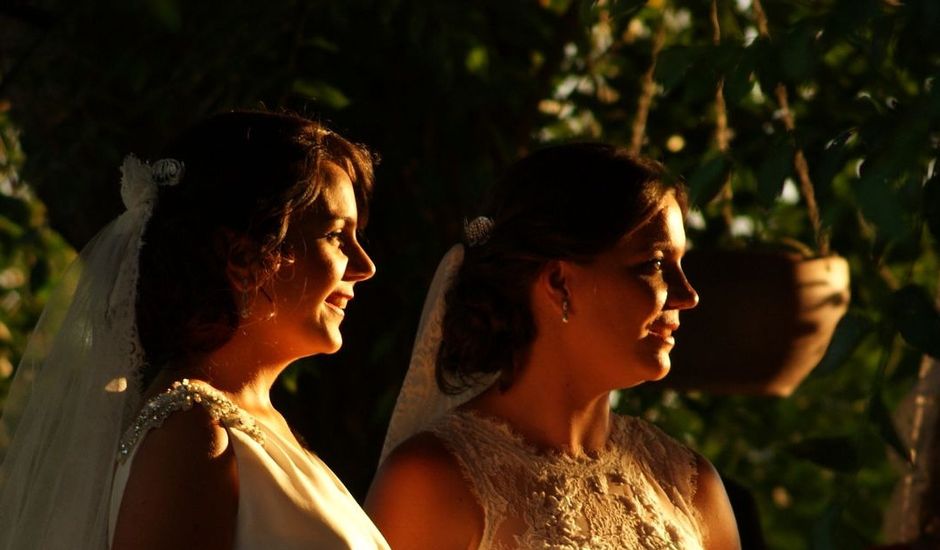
[[625, 304], [310, 294]]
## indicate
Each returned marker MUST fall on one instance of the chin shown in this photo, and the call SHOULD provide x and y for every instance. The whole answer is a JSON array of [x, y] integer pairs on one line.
[[322, 343], [650, 369], [661, 374], [334, 345], [658, 368]]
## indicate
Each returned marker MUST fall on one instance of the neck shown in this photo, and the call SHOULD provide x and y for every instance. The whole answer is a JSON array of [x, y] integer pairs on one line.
[[246, 378], [548, 407]]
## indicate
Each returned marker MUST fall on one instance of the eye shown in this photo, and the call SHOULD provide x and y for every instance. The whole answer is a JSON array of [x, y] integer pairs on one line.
[[655, 264], [334, 237]]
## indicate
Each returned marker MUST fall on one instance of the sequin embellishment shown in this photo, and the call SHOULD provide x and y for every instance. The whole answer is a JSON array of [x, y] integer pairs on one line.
[[180, 397]]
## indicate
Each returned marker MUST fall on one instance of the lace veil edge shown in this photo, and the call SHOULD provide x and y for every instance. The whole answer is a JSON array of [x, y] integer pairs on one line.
[[77, 388]]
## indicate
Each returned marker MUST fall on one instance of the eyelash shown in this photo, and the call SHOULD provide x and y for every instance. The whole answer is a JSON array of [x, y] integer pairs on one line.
[[653, 266], [334, 236]]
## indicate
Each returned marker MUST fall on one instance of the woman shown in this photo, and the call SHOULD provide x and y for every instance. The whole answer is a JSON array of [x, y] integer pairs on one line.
[[573, 289], [237, 255]]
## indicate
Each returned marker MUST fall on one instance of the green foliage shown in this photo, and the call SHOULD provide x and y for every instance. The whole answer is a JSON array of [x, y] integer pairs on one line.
[[31, 254], [865, 110]]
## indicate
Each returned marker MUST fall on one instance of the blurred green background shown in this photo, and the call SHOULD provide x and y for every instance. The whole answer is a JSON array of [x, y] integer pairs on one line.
[[449, 93]]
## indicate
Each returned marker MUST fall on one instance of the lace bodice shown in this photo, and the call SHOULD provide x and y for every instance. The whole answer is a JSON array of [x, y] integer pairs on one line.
[[636, 493]]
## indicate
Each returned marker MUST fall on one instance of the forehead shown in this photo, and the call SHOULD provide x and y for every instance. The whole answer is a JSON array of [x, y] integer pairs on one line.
[[336, 200], [662, 229], [337, 196]]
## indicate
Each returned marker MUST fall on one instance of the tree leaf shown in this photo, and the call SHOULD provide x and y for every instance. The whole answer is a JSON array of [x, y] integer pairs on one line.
[[879, 415], [622, 9], [839, 453], [672, 65], [318, 90], [932, 205], [738, 82], [832, 159], [708, 179], [777, 167], [849, 333], [39, 275], [796, 54], [824, 530], [167, 12], [615, 9], [917, 319], [880, 204], [15, 210]]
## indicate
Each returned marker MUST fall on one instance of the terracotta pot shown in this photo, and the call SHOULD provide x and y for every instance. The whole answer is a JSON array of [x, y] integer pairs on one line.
[[763, 322]]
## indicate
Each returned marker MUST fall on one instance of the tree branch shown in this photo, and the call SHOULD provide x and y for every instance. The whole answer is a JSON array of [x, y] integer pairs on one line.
[[799, 158], [647, 87], [722, 134]]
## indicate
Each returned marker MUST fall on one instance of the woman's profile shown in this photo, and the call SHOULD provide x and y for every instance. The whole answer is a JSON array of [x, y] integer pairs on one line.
[[502, 437], [141, 415]]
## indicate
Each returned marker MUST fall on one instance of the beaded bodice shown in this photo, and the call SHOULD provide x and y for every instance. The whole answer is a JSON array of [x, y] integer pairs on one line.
[[180, 397], [287, 497], [636, 493]]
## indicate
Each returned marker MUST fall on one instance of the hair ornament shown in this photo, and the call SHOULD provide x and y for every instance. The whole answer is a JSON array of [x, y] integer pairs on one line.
[[139, 179], [477, 231]]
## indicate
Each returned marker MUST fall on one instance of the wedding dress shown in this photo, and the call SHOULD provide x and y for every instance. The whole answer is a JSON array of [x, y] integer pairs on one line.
[[636, 493], [287, 497]]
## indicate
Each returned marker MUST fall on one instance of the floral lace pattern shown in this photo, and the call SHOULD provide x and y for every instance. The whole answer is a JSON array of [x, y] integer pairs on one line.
[[635, 493], [180, 397]]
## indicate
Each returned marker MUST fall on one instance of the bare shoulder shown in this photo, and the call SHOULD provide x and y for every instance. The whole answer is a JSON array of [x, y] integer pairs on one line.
[[711, 501], [420, 498], [183, 487]]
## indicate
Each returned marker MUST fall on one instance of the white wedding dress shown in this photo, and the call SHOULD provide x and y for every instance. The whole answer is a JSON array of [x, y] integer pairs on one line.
[[634, 494], [287, 499]]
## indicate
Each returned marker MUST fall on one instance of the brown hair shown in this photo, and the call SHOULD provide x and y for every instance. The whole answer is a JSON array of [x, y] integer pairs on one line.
[[568, 202], [247, 174]]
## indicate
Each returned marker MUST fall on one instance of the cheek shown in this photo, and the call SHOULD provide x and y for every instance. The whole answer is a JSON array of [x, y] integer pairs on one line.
[[325, 265], [624, 310], [313, 278], [643, 300]]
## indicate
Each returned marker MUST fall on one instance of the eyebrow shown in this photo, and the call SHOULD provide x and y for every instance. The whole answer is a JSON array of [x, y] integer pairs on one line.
[[335, 214], [665, 246]]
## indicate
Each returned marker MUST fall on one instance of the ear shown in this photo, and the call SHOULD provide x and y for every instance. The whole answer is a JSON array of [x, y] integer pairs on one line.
[[552, 286], [241, 258]]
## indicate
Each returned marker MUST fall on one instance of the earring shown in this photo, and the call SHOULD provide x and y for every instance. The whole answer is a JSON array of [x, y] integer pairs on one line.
[[564, 309]]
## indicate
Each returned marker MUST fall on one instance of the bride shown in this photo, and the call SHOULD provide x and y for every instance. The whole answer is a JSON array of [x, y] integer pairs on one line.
[[502, 437], [140, 416]]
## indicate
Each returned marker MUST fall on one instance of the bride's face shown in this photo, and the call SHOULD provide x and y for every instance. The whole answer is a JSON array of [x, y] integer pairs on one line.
[[311, 294], [625, 304]]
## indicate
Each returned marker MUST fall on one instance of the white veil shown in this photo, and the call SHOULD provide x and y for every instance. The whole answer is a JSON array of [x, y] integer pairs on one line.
[[77, 386], [420, 401]]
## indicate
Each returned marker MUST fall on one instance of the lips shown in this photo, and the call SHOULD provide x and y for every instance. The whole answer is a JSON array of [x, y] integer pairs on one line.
[[663, 331], [338, 301]]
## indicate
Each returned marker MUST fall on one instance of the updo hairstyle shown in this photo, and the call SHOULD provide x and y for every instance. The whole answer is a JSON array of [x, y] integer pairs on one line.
[[567, 202], [248, 175]]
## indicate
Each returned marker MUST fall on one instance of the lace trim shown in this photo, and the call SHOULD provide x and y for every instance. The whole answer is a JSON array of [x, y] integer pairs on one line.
[[181, 396], [609, 499]]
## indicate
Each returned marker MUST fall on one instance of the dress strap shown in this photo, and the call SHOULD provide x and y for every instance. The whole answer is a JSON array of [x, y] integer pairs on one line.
[[180, 397]]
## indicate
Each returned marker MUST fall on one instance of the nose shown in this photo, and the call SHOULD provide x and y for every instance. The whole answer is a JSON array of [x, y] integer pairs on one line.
[[681, 293], [360, 266]]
